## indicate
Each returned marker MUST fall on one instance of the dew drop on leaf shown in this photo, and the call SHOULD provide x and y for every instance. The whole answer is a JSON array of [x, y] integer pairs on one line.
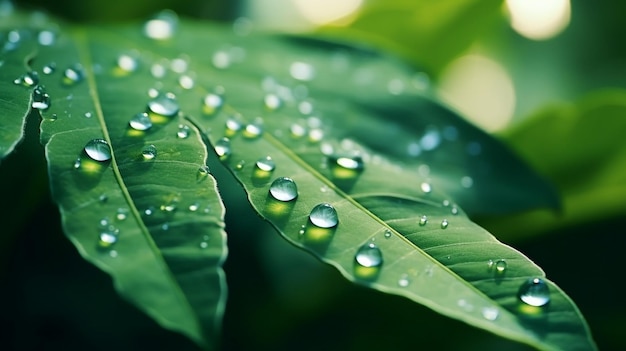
[[46, 38], [426, 188], [140, 121], [211, 103], [349, 162], [127, 63], [324, 215], [444, 224], [41, 99], [253, 130], [233, 124], [194, 207], [283, 189], [266, 164], [239, 165], [301, 71], [387, 234], [98, 150], [183, 131], [297, 130], [203, 173], [28, 79], [88, 114], [404, 281], [107, 239], [121, 214], [534, 292], [162, 26], [149, 152], [222, 148], [73, 75], [49, 68], [500, 266], [423, 220], [369, 255], [164, 105], [490, 313], [272, 102], [186, 81]]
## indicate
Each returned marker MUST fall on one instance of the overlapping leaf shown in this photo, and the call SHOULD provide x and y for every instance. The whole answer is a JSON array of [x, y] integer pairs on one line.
[[352, 128]]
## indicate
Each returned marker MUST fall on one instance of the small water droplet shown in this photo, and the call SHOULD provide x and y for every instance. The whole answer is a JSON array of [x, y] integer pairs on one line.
[[73, 75], [186, 81], [369, 255], [77, 163], [423, 220], [490, 313], [149, 152], [301, 71], [211, 103], [444, 224], [426, 188], [164, 105], [140, 121], [222, 148], [28, 79], [107, 238], [534, 292], [500, 266], [431, 138], [404, 281], [454, 210], [103, 198], [253, 130], [233, 124], [204, 245], [283, 189], [121, 214], [88, 115], [203, 173], [324, 215], [266, 164], [149, 211], [158, 70], [194, 207], [387, 234], [180, 64], [239, 165], [162, 26], [165, 226], [221, 59], [467, 182], [41, 99], [127, 63], [183, 131], [272, 101], [98, 150], [316, 135], [46, 38], [113, 253], [49, 68], [297, 130]]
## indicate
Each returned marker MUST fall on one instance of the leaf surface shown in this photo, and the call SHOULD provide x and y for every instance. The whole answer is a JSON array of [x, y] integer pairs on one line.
[[155, 224]]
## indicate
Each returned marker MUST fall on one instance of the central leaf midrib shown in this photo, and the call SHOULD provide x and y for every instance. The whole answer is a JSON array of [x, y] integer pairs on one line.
[[80, 38]]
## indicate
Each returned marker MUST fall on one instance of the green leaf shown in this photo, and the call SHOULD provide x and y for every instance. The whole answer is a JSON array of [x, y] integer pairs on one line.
[[352, 129], [579, 147], [154, 224], [429, 34]]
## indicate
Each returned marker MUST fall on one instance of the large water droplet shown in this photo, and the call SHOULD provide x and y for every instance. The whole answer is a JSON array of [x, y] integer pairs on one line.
[[349, 162], [283, 189], [266, 164], [107, 239], [500, 266], [426, 188], [140, 121], [369, 255], [162, 26], [73, 75], [149, 152], [98, 150], [534, 292], [222, 148], [444, 224], [324, 216], [423, 220], [253, 130], [233, 125], [164, 105], [41, 99]]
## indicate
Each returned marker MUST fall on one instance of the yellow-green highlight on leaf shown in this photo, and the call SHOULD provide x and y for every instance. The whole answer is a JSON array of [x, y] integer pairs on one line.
[[579, 147]]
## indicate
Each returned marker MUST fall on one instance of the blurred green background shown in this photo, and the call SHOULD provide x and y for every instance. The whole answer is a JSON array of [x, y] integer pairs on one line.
[[558, 101]]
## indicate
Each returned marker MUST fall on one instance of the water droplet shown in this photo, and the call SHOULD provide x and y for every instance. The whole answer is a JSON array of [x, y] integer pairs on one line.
[[426, 188], [297, 131], [103, 198], [203, 173], [387, 234], [283, 189], [431, 139], [534, 292], [121, 214], [28, 79], [186, 81], [454, 210], [500, 266], [77, 163], [194, 207], [164, 105], [88, 115], [349, 162], [107, 238], [180, 64], [272, 101], [158, 70], [369, 255], [404, 281], [127, 63], [149, 152], [165, 226], [221, 59], [266, 164], [316, 135], [46, 38], [204, 245], [423, 220], [253, 130], [301, 71], [140, 121], [233, 124], [41, 99], [73, 75], [49, 68], [149, 211], [211, 103], [222, 148], [113, 253], [162, 26], [490, 313], [444, 224], [239, 165], [467, 182], [324, 216], [98, 150], [183, 131]]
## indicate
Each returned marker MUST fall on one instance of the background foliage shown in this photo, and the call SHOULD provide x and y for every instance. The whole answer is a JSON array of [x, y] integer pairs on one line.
[[51, 299]]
